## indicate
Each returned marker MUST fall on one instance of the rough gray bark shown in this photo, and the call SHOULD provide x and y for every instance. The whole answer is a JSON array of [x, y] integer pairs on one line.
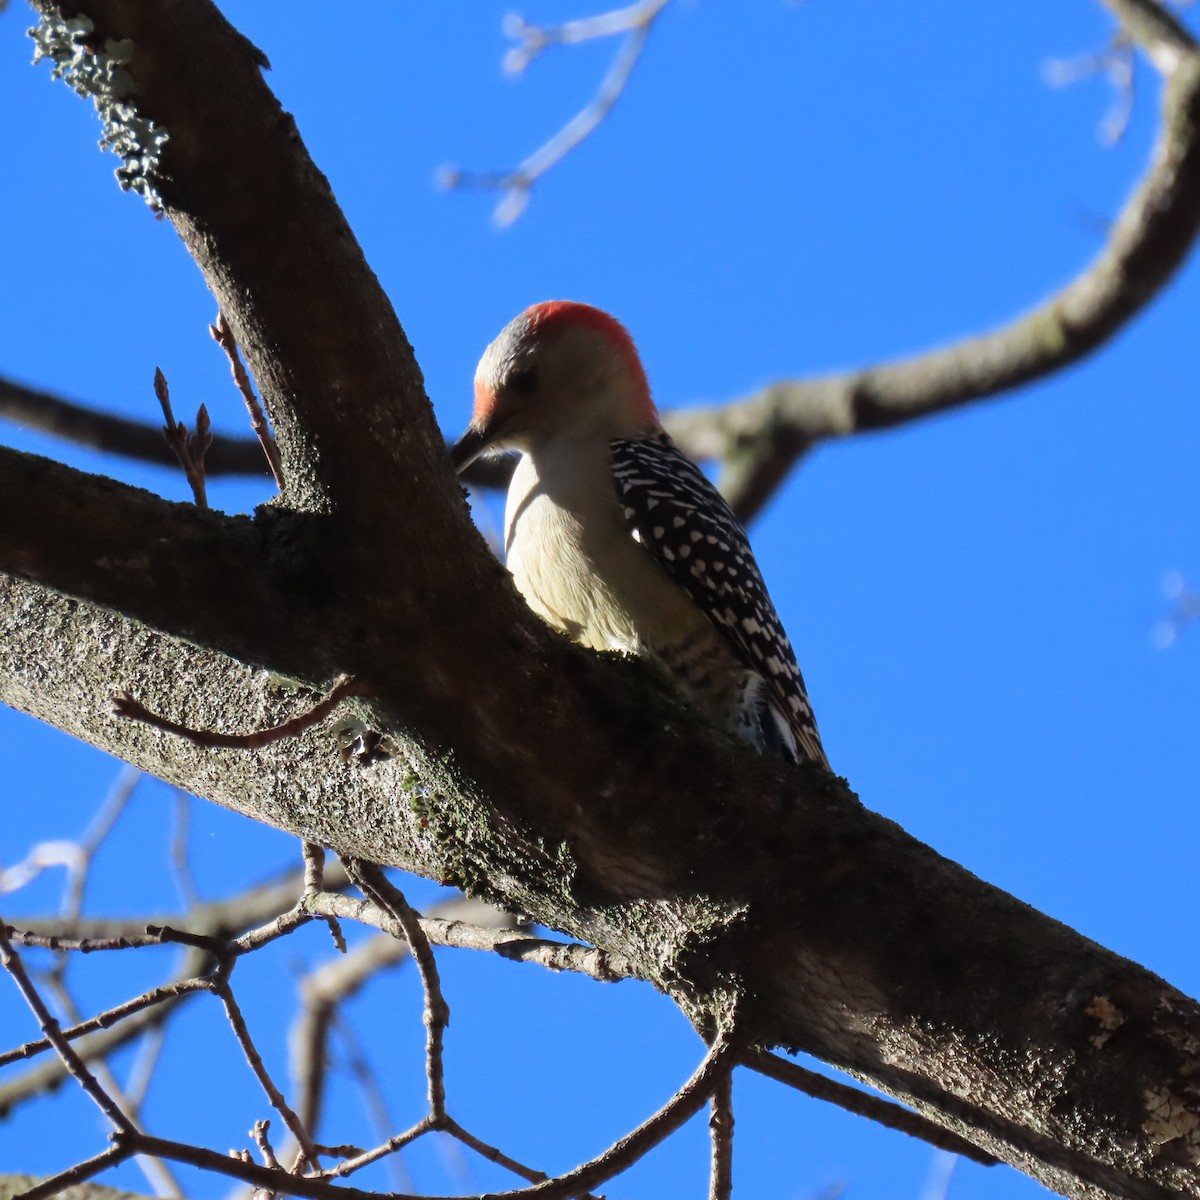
[[526, 771]]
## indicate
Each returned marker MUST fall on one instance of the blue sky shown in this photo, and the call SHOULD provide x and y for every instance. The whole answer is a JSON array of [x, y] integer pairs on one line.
[[784, 190]]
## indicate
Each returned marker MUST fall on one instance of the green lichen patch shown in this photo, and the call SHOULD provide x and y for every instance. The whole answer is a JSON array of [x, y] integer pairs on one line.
[[98, 72]]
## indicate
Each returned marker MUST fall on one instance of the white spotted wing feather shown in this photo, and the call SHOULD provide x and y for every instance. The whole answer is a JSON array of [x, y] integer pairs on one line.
[[683, 521]]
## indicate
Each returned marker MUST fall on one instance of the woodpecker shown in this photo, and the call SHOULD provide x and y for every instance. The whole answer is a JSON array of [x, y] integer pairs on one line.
[[616, 538]]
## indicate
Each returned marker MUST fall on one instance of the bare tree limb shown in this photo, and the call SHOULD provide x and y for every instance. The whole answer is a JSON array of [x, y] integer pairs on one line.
[[71, 1183], [635, 22], [323, 989], [875, 1108], [82, 425], [512, 943], [758, 439], [11, 962], [720, 1128]]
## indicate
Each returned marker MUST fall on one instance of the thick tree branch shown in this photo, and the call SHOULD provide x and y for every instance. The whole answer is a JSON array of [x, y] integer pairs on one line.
[[709, 869]]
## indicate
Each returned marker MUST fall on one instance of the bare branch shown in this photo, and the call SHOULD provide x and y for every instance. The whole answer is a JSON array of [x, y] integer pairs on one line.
[[181, 867], [142, 1072], [97, 833], [11, 962], [493, 1154], [81, 1171], [376, 887], [164, 994], [241, 1031], [224, 338], [875, 1108], [758, 439], [634, 21], [324, 989], [511, 943], [157, 1173], [720, 1128], [218, 919], [49, 413], [188, 448]]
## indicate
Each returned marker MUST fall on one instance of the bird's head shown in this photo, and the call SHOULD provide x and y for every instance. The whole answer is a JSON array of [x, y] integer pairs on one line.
[[560, 367]]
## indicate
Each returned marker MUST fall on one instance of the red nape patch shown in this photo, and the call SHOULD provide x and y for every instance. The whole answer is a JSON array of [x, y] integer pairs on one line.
[[565, 313]]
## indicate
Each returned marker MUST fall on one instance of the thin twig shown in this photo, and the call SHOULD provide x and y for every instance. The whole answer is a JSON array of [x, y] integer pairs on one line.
[[142, 1072], [941, 1172], [367, 1157], [1185, 610], [124, 705], [875, 1108], [157, 1173], [720, 1128], [314, 883], [50, 941], [221, 919], [189, 448], [1116, 61], [635, 21], [242, 1032], [511, 943], [373, 1096], [115, 804], [497, 1156], [223, 336], [55, 415], [163, 994], [263, 1142], [11, 961], [79, 1173], [376, 886]]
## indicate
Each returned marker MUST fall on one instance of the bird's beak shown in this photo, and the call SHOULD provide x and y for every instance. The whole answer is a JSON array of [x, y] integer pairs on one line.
[[469, 447]]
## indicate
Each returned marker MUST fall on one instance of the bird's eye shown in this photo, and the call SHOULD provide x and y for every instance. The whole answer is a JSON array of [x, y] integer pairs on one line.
[[524, 381]]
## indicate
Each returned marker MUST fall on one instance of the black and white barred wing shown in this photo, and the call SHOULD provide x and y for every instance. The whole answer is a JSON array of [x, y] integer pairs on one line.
[[677, 514]]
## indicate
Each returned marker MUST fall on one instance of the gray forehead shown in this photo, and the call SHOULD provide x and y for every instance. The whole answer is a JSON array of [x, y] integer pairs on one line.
[[588, 352], [511, 349]]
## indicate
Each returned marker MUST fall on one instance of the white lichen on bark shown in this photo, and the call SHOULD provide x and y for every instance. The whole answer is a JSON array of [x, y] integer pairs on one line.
[[99, 73]]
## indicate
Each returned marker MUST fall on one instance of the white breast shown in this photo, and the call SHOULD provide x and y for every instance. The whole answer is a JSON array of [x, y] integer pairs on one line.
[[576, 562]]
